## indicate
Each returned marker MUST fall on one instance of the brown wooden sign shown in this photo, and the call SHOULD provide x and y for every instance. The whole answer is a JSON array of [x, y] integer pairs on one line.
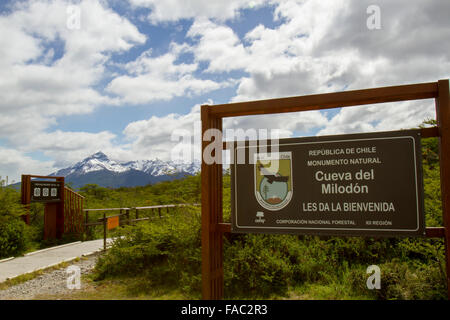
[[42, 190], [359, 184], [213, 226], [46, 191], [112, 222]]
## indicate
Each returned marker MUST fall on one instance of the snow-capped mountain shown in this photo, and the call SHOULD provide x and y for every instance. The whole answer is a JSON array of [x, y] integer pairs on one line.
[[101, 170]]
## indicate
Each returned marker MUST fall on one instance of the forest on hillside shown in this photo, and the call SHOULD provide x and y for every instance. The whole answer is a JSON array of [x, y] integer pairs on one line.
[[167, 252]]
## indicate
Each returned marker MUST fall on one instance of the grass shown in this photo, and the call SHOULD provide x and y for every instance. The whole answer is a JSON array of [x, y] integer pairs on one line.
[[140, 288], [315, 291], [124, 288], [20, 279]]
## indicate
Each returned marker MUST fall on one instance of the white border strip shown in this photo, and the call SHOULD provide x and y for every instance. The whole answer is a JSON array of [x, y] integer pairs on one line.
[[7, 259], [48, 249]]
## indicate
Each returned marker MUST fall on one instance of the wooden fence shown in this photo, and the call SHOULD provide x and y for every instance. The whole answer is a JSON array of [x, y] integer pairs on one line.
[[125, 212], [73, 212]]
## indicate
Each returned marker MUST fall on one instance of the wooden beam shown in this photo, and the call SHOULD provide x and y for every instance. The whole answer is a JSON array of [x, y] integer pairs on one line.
[[437, 232], [224, 227], [443, 120], [327, 100], [212, 240], [429, 132], [106, 209]]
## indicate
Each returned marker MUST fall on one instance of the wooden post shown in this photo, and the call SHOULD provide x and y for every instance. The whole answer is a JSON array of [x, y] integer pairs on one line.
[[82, 208], [26, 196], [159, 212], [104, 231], [127, 213], [60, 211], [87, 221], [212, 240], [443, 121]]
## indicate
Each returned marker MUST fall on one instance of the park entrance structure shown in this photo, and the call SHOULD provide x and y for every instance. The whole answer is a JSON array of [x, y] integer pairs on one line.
[[213, 227], [63, 213]]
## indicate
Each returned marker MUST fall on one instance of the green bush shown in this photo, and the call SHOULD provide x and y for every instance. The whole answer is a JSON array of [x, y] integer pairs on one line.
[[257, 265], [400, 281], [13, 233], [166, 251], [12, 238]]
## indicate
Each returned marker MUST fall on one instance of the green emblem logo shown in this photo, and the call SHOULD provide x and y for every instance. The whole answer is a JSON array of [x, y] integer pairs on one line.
[[273, 179]]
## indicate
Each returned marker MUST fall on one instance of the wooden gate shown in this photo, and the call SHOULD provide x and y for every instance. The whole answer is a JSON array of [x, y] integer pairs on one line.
[[73, 212]]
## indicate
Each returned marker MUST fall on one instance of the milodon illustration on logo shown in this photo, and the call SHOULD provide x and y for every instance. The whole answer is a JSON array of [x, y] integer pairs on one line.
[[273, 179]]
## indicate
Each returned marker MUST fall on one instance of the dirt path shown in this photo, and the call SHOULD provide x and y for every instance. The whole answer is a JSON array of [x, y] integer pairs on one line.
[[51, 282]]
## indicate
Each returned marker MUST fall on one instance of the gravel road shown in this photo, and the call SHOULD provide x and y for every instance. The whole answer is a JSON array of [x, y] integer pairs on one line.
[[52, 282]]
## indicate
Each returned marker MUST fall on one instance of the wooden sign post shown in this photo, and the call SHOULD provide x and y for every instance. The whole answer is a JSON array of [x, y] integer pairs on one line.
[[213, 227], [52, 194]]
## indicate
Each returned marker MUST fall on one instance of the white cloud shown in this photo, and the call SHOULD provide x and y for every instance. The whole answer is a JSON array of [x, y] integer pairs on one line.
[[173, 10], [36, 89], [380, 117], [218, 45], [160, 78], [14, 163], [154, 137], [325, 46], [69, 147], [31, 85]]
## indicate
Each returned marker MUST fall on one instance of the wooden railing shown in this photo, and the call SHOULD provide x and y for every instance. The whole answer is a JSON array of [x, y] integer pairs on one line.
[[73, 212], [125, 212], [159, 208]]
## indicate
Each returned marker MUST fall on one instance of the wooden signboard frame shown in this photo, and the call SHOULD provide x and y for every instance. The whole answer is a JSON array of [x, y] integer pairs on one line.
[[213, 227], [53, 211]]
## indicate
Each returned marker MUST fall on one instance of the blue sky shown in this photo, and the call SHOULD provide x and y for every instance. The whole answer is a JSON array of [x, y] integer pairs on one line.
[[127, 77]]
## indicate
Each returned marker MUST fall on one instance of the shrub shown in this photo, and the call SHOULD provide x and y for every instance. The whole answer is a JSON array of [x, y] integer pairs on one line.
[[12, 237], [164, 251], [13, 234], [257, 265], [168, 252], [400, 281]]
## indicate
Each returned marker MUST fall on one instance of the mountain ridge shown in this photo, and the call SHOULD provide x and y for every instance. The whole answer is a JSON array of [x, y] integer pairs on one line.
[[98, 168]]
